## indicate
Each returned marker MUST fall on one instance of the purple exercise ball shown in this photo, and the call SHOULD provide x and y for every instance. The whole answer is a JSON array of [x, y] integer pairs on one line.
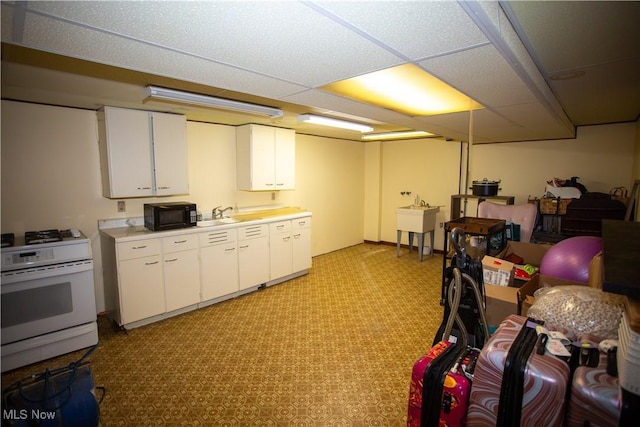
[[569, 259]]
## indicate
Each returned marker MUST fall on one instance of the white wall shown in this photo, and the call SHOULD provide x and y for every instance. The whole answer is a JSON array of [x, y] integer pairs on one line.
[[51, 178], [428, 168], [602, 156], [51, 175]]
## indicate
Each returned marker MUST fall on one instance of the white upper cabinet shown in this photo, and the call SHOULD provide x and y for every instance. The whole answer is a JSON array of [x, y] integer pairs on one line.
[[142, 153], [265, 158], [170, 154]]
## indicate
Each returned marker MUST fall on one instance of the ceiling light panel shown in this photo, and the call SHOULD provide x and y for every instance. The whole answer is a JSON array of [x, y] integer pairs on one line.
[[406, 89], [189, 98], [397, 135], [336, 123]]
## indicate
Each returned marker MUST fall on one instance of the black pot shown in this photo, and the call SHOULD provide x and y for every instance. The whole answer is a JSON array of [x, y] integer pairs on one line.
[[485, 188]]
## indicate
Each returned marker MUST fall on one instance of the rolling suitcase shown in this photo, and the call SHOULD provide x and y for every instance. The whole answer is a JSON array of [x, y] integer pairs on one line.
[[441, 379], [594, 398], [628, 359], [434, 402], [515, 385]]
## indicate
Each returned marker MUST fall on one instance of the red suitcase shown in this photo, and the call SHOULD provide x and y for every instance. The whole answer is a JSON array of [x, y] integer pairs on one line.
[[448, 406], [595, 395], [534, 396]]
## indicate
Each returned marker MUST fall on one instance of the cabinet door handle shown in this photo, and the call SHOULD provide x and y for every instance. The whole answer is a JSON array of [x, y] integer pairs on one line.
[[244, 246], [230, 249], [269, 184], [179, 241], [280, 184], [144, 188], [163, 188], [139, 247], [296, 236], [286, 239], [170, 260], [280, 227], [150, 263], [301, 223]]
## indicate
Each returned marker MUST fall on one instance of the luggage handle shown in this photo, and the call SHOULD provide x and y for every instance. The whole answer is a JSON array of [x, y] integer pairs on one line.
[[511, 391], [619, 192]]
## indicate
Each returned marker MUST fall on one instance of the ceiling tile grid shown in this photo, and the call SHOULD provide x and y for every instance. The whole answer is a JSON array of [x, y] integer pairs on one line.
[[312, 50], [416, 29], [482, 74], [278, 52]]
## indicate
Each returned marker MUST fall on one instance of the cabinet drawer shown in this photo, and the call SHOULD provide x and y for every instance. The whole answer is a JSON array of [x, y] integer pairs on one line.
[[280, 227], [179, 243], [217, 237], [253, 231], [138, 249], [301, 223]]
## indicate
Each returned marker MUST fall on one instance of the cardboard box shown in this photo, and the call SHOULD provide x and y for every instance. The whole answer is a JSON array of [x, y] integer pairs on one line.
[[516, 298], [501, 302], [532, 253], [596, 271], [496, 271], [525, 292], [501, 296]]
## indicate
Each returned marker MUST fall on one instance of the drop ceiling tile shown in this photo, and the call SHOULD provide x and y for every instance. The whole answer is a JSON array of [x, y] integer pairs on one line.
[[482, 74], [605, 31], [54, 35], [280, 39], [536, 120], [606, 93], [417, 29]]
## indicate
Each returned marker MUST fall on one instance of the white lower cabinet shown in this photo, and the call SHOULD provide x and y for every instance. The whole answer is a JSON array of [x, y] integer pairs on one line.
[[280, 245], [253, 255], [181, 271], [148, 279], [301, 243], [218, 263], [141, 287]]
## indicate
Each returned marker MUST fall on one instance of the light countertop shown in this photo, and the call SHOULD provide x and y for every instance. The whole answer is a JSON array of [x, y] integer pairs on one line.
[[138, 232]]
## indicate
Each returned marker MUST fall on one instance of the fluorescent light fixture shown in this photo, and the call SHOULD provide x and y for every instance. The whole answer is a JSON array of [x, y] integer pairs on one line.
[[327, 121], [406, 89], [397, 135], [172, 95]]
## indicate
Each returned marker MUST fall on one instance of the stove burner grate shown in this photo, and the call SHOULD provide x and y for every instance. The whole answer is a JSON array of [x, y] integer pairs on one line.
[[44, 236]]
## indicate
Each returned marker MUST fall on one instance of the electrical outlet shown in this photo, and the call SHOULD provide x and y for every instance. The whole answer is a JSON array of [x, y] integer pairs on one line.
[[121, 206], [442, 225]]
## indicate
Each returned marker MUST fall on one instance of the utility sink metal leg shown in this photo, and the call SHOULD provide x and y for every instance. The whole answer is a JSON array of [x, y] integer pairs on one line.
[[398, 244]]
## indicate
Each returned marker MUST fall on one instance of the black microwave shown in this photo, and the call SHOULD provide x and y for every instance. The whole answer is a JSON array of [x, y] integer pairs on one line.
[[169, 216]]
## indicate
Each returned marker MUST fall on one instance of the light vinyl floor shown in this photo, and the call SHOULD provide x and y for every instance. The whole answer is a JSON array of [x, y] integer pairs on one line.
[[332, 348]]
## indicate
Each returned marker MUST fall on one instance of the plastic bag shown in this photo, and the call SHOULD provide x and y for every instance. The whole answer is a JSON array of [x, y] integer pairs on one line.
[[579, 309]]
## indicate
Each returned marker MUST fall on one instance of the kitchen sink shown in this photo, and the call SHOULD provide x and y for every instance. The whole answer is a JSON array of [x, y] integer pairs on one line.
[[213, 222]]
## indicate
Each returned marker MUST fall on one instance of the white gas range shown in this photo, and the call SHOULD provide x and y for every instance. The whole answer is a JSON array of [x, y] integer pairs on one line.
[[48, 296]]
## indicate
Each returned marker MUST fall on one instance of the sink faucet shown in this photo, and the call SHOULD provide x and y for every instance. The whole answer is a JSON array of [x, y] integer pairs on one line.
[[217, 213], [228, 208]]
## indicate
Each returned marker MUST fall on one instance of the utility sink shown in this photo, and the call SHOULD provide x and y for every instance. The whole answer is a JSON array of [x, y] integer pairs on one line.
[[214, 222], [418, 219]]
